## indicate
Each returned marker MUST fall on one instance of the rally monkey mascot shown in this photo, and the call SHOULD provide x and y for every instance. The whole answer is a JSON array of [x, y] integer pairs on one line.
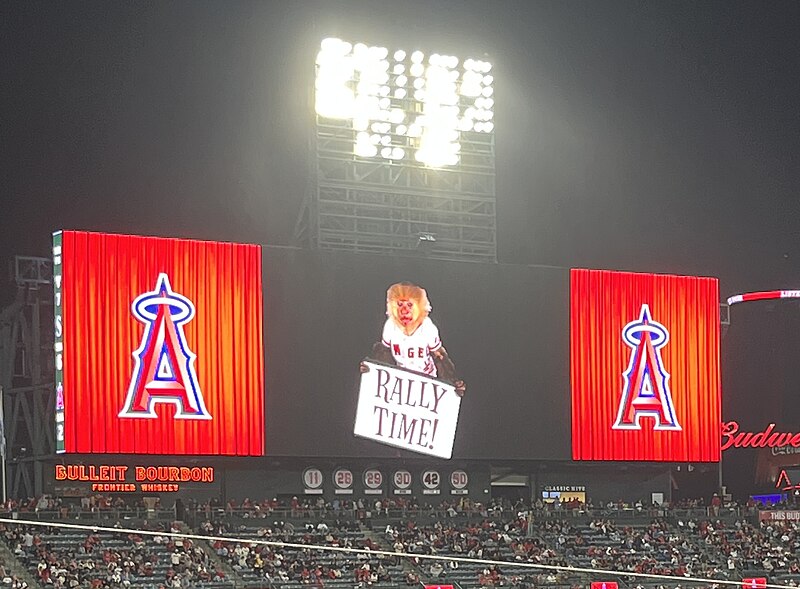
[[410, 339]]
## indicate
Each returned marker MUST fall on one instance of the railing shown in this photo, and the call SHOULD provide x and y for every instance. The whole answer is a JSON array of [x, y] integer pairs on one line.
[[99, 515], [195, 516], [394, 513]]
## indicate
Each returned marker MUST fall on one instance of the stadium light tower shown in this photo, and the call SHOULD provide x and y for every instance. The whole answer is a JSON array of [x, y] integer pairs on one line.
[[403, 145]]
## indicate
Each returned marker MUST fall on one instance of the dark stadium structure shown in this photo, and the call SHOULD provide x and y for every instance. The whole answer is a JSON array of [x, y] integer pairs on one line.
[[324, 310], [203, 126]]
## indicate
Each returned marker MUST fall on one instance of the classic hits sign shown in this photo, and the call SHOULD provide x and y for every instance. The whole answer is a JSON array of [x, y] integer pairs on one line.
[[408, 410]]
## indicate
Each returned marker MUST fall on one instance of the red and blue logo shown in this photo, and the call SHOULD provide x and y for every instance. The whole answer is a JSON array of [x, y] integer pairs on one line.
[[164, 365], [646, 391]]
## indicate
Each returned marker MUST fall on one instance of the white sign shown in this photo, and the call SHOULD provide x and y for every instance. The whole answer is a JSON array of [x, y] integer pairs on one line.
[[431, 479], [312, 479], [402, 482], [459, 479], [343, 478], [402, 479], [373, 479], [408, 410]]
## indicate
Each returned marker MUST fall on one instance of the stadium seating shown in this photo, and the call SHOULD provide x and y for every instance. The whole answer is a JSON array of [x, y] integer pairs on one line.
[[269, 545]]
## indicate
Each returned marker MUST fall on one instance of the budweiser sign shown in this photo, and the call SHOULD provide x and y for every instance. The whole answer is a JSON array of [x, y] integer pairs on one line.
[[767, 438]]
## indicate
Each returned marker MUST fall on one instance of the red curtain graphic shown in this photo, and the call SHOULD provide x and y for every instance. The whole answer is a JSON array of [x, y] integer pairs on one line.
[[102, 275], [602, 303]]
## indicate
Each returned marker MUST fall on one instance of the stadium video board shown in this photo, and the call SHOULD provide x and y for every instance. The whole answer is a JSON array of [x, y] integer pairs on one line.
[[761, 415], [158, 346], [400, 357], [161, 347], [644, 362]]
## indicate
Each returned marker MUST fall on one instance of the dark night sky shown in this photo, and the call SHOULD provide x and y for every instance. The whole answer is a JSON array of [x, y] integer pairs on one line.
[[654, 135]]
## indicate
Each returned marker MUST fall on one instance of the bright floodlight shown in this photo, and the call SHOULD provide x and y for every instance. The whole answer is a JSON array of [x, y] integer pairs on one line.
[[420, 106], [417, 70]]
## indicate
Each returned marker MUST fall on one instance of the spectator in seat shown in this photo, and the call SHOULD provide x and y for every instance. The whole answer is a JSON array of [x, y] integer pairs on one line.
[[436, 569]]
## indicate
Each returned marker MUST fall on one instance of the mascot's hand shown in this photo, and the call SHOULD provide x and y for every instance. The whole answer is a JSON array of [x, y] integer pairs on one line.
[[363, 368], [461, 387]]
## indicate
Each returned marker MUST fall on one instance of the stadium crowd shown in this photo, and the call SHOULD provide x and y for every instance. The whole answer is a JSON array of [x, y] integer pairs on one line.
[[298, 564], [273, 543], [58, 557]]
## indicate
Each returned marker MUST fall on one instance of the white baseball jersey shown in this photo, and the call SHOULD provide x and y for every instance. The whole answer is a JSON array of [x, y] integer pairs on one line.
[[413, 351]]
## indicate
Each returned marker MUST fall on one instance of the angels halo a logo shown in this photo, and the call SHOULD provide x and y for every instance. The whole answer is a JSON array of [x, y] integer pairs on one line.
[[646, 391], [164, 365]]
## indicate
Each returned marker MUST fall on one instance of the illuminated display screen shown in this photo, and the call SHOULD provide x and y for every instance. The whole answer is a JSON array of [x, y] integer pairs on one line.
[[564, 493], [122, 478], [404, 105], [159, 350], [499, 332], [761, 415], [644, 362], [158, 346]]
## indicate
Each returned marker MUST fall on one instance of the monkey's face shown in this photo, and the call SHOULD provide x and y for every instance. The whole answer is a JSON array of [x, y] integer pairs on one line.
[[407, 314], [407, 305], [406, 311]]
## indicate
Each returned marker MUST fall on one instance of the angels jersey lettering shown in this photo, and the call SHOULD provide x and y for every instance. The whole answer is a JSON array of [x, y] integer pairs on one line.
[[413, 351]]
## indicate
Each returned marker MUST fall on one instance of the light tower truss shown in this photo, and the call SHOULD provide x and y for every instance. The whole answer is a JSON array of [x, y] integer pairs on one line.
[[26, 377]]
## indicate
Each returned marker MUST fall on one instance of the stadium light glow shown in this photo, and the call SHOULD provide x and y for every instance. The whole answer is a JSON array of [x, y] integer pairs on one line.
[[417, 106], [397, 116]]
